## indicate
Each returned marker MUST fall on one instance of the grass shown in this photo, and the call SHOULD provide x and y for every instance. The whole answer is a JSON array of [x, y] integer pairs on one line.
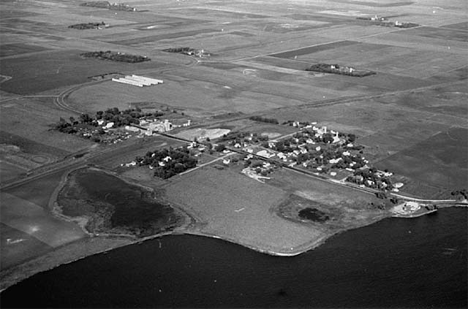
[[213, 195], [238, 208]]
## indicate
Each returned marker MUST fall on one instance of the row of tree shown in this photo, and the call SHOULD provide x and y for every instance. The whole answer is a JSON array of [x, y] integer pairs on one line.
[[264, 119], [168, 162], [236, 137], [460, 194], [119, 118], [115, 56]]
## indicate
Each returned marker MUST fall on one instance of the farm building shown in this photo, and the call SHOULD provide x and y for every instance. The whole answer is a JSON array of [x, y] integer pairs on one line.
[[139, 81]]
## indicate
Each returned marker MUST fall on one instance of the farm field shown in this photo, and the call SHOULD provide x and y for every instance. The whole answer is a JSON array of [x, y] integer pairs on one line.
[[15, 128], [439, 160], [410, 116], [9, 172], [57, 69], [31, 219]]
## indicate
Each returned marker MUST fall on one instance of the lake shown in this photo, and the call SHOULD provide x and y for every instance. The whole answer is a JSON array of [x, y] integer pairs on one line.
[[393, 263]]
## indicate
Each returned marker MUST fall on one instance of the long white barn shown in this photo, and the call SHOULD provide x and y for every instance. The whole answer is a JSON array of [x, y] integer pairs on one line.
[[138, 81], [127, 81]]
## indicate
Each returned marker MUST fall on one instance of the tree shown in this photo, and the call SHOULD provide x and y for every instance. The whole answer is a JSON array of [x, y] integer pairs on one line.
[[220, 147], [84, 118]]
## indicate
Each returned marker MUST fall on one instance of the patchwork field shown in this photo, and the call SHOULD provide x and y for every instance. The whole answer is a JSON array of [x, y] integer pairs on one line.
[[410, 116], [45, 232]]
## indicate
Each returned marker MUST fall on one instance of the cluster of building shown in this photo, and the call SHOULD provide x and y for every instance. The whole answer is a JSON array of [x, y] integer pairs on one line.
[[189, 51], [318, 149], [160, 126], [138, 81], [383, 21], [339, 69], [373, 178]]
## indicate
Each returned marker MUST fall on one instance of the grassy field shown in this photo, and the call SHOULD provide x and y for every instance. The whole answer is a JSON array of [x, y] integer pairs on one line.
[[253, 220], [215, 197]]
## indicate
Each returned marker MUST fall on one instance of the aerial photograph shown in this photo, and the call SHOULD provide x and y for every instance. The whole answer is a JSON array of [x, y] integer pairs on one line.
[[234, 154]]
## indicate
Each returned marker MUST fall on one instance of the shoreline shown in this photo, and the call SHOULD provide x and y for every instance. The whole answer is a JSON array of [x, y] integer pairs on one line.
[[98, 243], [94, 245]]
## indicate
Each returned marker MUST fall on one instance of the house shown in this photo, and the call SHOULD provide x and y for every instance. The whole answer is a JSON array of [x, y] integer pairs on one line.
[[108, 125], [264, 153]]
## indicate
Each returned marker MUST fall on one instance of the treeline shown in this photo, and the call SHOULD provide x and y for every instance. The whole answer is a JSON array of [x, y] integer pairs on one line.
[[118, 117], [183, 50], [168, 162], [115, 56], [85, 26], [110, 6], [460, 194], [337, 69], [236, 137], [371, 178], [264, 119], [125, 117]]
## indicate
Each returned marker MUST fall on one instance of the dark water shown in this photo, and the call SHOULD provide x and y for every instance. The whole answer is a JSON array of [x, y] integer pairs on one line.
[[394, 263]]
